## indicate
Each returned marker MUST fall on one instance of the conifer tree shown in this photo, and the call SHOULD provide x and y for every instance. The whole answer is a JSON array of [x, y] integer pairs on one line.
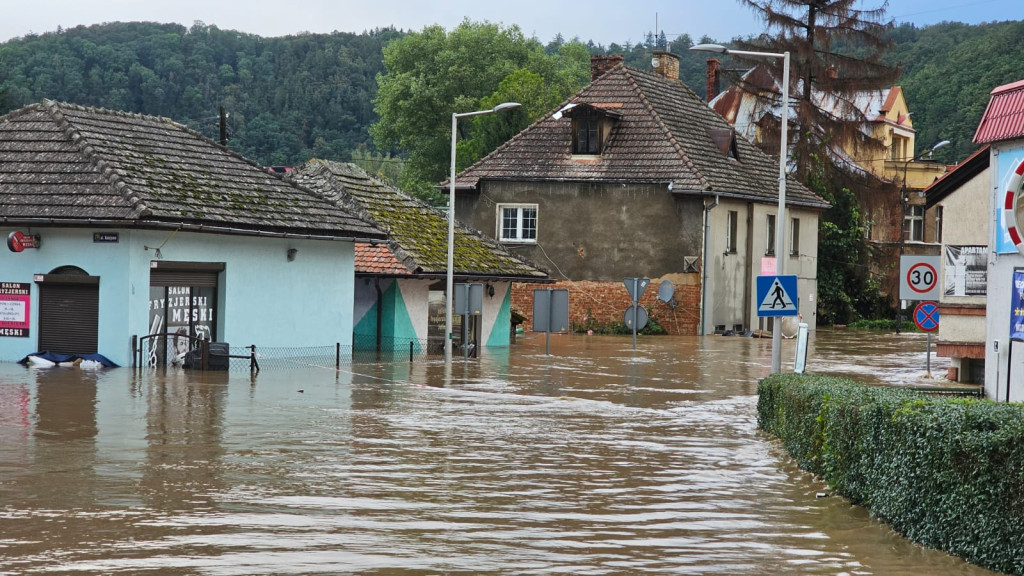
[[836, 52]]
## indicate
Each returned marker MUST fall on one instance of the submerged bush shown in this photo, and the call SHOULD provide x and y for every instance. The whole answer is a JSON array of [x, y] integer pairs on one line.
[[945, 472]]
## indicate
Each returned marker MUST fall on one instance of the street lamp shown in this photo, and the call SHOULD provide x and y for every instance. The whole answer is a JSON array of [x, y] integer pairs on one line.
[[450, 286], [780, 225], [903, 220]]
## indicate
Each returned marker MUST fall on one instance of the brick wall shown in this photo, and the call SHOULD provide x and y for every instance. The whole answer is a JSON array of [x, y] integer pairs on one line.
[[608, 301]]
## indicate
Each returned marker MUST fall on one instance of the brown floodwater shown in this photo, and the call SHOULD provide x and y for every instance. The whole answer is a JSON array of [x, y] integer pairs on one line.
[[592, 460]]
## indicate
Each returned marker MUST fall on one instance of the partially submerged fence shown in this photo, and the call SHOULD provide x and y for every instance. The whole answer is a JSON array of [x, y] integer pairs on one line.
[[177, 351]]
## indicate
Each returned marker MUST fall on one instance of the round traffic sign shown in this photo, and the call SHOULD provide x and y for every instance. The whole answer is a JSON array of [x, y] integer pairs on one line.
[[922, 277], [641, 317], [926, 316]]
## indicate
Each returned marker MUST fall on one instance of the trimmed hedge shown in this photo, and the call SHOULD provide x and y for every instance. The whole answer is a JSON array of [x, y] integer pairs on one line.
[[947, 473]]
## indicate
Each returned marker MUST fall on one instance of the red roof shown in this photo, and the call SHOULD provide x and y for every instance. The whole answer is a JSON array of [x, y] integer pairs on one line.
[[377, 259], [1004, 117]]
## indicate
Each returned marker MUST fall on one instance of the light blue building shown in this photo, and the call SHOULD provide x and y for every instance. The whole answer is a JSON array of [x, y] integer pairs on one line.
[[121, 225]]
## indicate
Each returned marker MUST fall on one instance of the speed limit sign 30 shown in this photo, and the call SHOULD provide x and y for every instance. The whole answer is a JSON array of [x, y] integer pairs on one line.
[[919, 277]]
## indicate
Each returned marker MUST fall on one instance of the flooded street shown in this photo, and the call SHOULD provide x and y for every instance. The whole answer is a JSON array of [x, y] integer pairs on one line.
[[593, 460]]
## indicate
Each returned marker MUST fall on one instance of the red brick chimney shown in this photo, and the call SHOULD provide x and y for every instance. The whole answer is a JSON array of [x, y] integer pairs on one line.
[[714, 81], [665, 64], [601, 64]]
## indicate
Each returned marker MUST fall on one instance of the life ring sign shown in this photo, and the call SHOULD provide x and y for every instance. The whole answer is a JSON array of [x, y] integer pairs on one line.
[[1012, 208]]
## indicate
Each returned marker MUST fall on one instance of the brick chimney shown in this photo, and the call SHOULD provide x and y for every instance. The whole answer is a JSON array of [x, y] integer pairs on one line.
[[714, 80], [601, 64], [665, 64]]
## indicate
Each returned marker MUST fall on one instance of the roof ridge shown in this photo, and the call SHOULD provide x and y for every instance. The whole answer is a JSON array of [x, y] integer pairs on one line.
[[661, 123], [55, 110], [343, 200]]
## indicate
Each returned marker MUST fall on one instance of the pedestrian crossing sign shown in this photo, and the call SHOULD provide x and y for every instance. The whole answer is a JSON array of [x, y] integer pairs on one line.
[[776, 296]]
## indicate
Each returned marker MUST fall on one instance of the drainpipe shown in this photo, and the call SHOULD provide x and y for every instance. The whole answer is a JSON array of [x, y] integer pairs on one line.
[[704, 281], [380, 312]]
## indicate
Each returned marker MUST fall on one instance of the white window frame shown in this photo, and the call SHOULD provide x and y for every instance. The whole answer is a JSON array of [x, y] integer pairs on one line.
[[913, 226], [517, 237], [770, 241], [794, 237], [731, 231]]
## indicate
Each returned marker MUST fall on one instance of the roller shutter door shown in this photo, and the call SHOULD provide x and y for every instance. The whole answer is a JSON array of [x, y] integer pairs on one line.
[[69, 318]]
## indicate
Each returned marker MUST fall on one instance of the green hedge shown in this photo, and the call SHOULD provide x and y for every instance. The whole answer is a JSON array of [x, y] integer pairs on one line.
[[945, 472]]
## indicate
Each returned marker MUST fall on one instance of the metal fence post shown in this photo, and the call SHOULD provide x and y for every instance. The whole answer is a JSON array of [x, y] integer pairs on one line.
[[337, 355], [410, 351]]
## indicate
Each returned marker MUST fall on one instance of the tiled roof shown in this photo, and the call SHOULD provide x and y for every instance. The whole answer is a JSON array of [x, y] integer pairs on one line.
[[66, 164], [664, 135], [1004, 116], [378, 259], [417, 233]]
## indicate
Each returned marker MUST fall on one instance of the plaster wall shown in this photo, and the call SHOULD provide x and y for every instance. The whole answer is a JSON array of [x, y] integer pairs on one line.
[[965, 213], [595, 231], [1002, 261], [263, 298]]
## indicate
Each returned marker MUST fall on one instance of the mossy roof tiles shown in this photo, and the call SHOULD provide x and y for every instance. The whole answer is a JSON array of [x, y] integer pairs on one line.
[[66, 164], [663, 135], [417, 232]]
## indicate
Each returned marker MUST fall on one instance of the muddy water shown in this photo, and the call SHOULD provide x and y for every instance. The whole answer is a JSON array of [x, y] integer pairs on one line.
[[593, 460]]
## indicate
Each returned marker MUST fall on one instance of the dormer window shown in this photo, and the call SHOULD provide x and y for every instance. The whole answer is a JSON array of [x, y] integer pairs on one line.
[[591, 127], [588, 137]]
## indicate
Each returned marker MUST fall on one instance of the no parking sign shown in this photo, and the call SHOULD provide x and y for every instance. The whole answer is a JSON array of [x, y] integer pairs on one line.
[[926, 316]]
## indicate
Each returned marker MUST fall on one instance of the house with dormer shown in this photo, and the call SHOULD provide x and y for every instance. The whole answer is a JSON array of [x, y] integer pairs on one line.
[[634, 176], [400, 284], [121, 226]]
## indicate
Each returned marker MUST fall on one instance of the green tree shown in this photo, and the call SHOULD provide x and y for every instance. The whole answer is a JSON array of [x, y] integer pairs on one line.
[[434, 73]]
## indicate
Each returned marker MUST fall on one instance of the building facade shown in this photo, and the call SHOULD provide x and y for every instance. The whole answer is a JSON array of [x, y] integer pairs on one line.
[[636, 177]]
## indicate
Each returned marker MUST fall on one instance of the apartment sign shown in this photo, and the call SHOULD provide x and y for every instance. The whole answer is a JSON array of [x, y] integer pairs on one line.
[[15, 302]]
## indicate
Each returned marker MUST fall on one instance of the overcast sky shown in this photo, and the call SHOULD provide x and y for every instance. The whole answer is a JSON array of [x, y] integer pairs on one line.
[[603, 21]]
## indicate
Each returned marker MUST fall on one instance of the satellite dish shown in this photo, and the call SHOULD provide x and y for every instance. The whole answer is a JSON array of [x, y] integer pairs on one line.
[[666, 290]]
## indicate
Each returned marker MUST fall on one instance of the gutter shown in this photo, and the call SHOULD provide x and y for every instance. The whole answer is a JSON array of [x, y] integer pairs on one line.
[[146, 225]]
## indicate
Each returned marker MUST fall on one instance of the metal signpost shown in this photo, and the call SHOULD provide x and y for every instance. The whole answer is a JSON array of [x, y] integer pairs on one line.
[[550, 313], [636, 316], [469, 301], [926, 317]]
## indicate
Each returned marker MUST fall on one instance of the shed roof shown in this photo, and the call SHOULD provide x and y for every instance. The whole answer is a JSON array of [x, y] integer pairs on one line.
[[417, 232], [665, 134], [63, 164], [1004, 116]]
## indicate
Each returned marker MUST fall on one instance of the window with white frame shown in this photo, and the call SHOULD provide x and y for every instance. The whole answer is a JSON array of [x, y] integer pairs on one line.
[[938, 224], [517, 222], [913, 224], [731, 229], [794, 242], [770, 241]]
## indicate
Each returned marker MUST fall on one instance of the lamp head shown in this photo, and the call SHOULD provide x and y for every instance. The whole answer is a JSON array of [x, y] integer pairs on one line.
[[716, 48], [940, 145], [506, 106]]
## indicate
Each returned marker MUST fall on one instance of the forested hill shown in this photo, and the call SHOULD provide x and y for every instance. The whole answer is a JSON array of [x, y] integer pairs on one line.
[[295, 97], [288, 98]]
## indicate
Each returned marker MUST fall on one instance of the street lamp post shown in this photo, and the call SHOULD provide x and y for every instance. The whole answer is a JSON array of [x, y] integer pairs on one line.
[[903, 220], [450, 284], [781, 223]]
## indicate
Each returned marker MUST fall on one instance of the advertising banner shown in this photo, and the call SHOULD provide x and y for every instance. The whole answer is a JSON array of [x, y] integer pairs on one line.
[[15, 300], [1006, 163], [966, 271], [1017, 306]]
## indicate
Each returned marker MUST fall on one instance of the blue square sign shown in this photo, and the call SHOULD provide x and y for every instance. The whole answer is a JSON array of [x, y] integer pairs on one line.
[[776, 296]]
